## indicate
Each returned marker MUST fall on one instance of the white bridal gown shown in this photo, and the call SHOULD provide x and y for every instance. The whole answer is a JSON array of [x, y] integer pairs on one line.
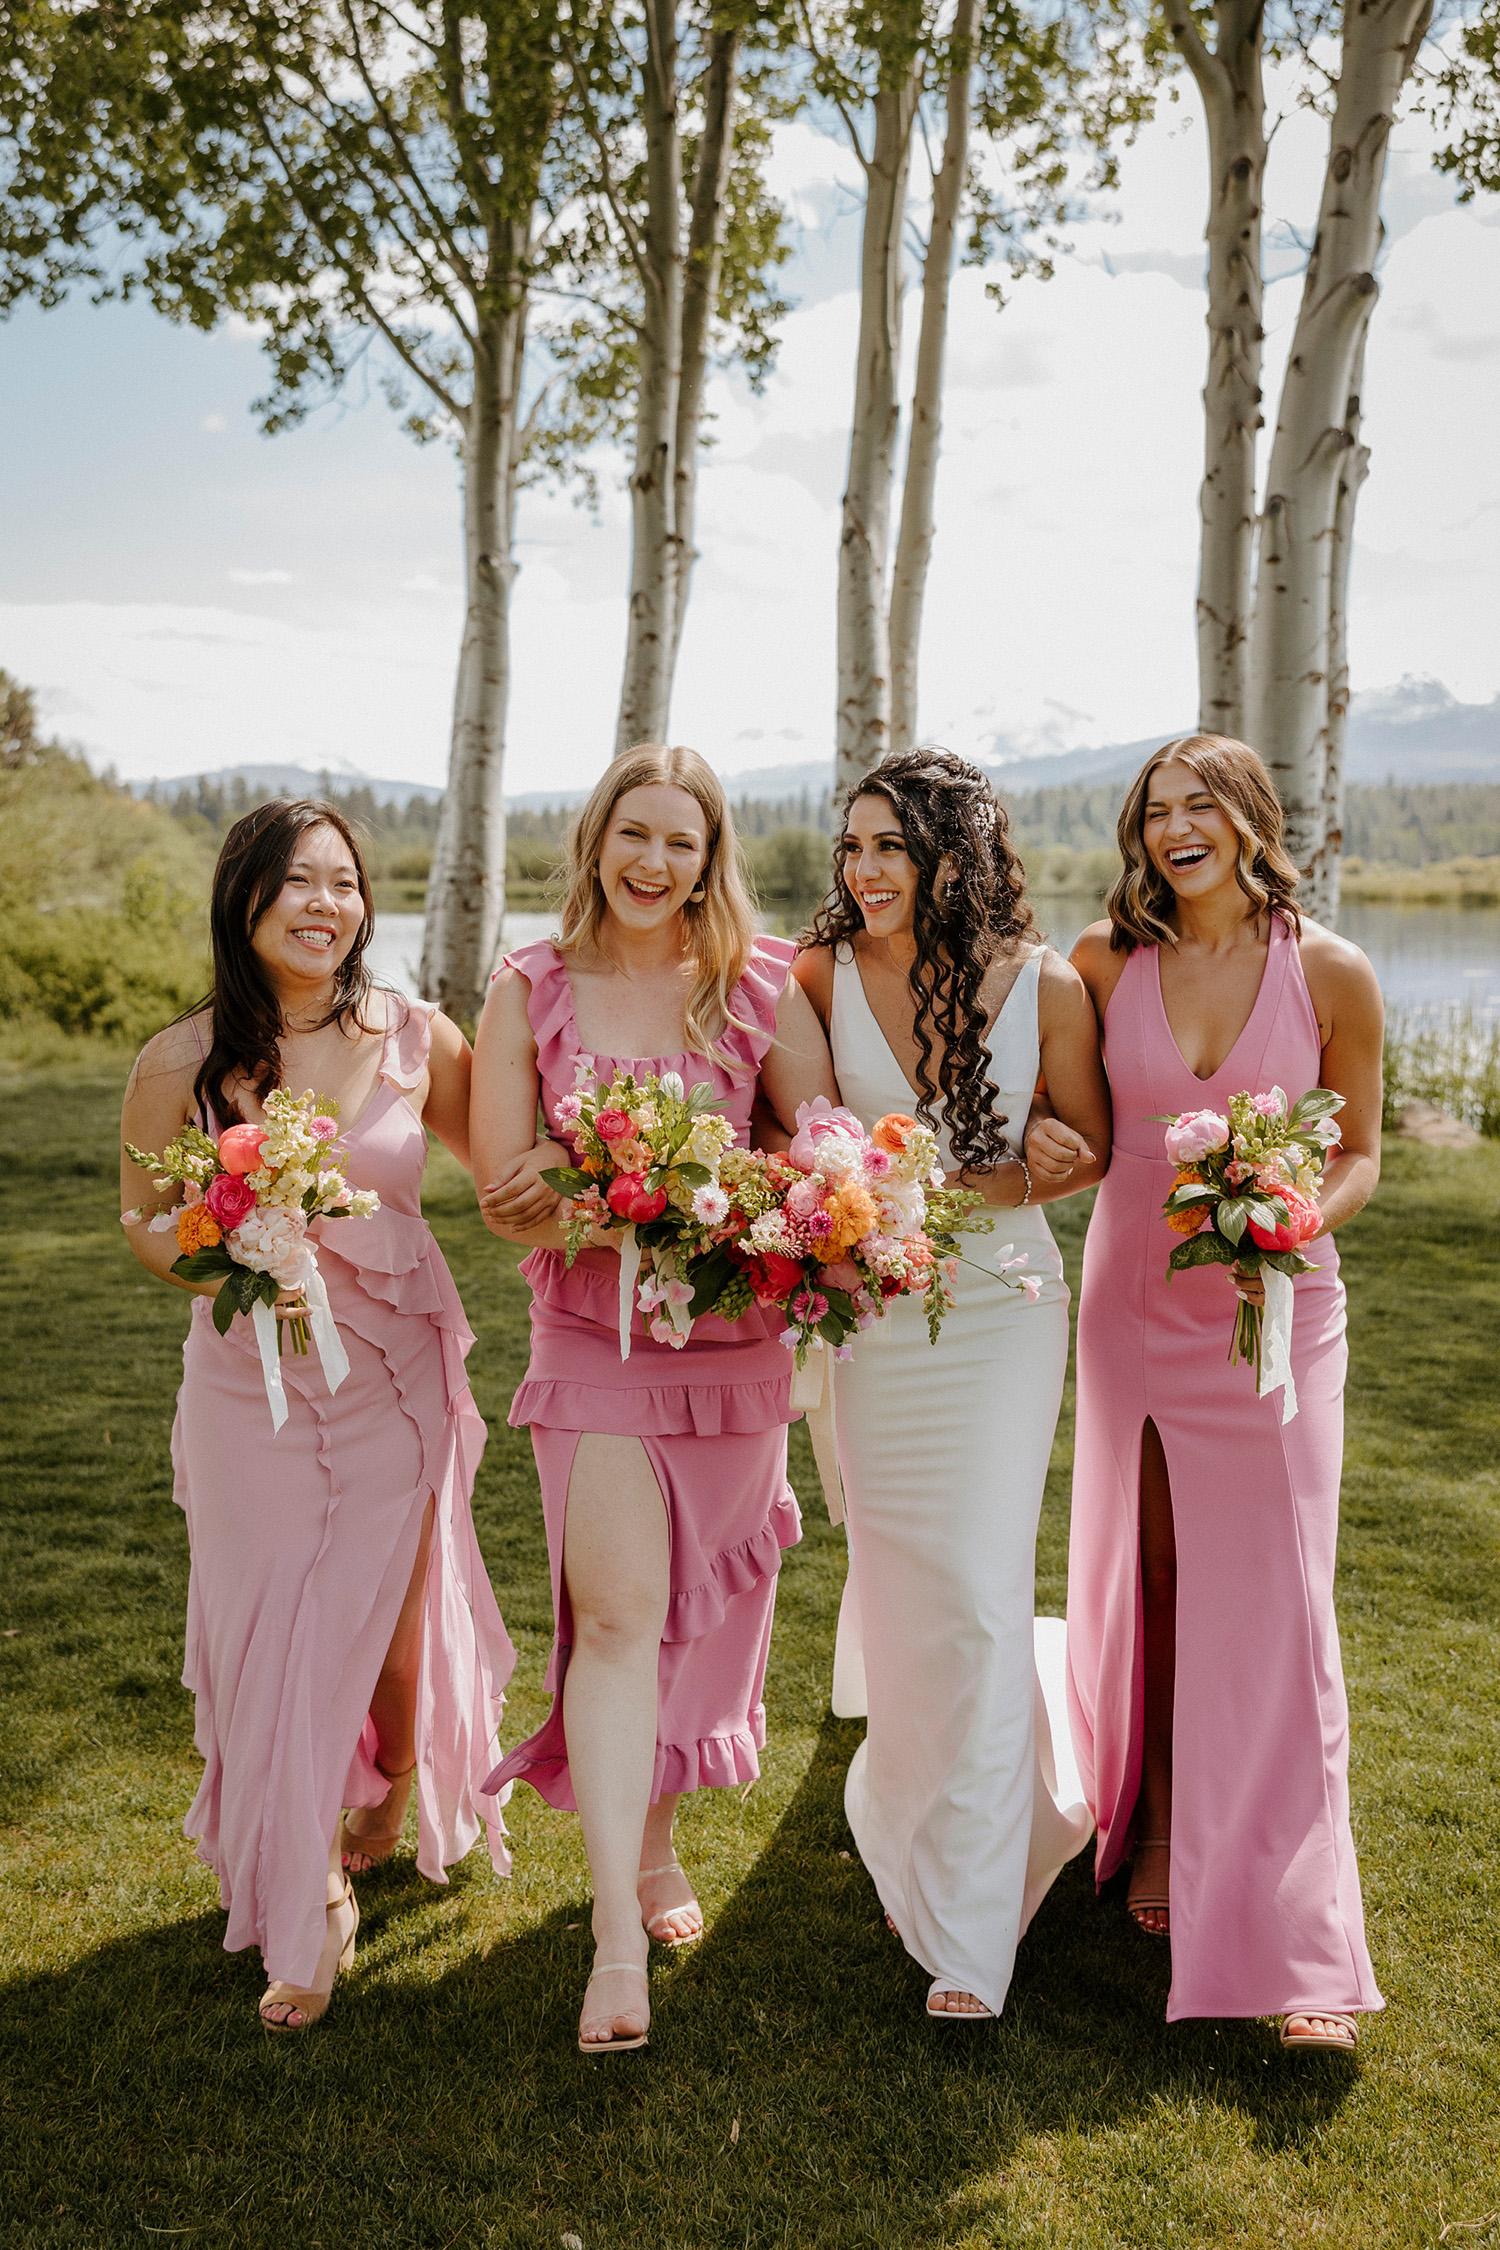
[[964, 1797]]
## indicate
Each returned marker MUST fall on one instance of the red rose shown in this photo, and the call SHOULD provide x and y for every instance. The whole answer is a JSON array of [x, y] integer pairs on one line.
[[229, 1199]]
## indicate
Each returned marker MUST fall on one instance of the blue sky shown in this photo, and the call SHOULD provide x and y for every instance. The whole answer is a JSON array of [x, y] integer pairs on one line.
[[188, 594]]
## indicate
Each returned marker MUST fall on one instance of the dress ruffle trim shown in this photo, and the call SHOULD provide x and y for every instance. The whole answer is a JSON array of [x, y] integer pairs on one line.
[[696, 1610], [715, 1761], [395, 1261], [652, 1409], [753, 1003], [591, 1291], [408, 1040]]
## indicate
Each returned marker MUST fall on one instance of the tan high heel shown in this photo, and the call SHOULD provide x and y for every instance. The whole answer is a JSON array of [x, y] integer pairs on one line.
[[337, 1955], [1139, 1902], [618, 2043], [376, 1844], [673, 1866]]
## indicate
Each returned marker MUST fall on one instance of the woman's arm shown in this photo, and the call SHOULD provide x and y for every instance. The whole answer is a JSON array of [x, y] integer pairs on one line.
[[449, 1072], [1070, 1129], [797, 1066], [158, 1103], [502, 1116], [1351, 1015]]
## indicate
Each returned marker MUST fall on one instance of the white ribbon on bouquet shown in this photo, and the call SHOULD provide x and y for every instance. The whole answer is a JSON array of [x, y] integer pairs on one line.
[[812, 1390], [630, 1270], [1276, 1342], [325, 1335]]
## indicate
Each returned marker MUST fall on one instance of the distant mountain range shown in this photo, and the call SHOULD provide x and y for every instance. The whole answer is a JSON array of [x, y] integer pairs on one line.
[[1411, 733]]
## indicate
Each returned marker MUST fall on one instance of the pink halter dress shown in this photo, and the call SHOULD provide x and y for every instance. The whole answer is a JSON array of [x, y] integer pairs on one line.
[[1266, 1915], [303, 1541], [712, 1419]]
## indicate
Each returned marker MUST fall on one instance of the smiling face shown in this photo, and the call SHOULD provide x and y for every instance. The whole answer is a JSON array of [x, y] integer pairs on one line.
[[1188, 837], [314, 919], [654, 850], [876, 867]]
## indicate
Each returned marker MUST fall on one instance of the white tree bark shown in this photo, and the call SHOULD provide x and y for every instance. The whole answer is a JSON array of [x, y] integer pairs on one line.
[[1287, 705], [466, 888], [700, 298], [651, 633], [914, 539], [864, 684], [1323, 894], [1228, 78]]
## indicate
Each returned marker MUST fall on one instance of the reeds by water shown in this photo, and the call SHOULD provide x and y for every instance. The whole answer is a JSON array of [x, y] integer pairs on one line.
[[1449, 1056]]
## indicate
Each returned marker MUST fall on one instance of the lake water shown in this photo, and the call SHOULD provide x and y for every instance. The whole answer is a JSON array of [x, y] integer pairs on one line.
[[1426, 957]]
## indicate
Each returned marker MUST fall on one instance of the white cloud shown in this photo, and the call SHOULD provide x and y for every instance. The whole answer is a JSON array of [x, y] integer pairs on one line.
[[214, 422], [260, 577]]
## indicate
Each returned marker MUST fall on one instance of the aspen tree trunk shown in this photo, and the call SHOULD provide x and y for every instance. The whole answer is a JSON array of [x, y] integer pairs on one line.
[[864, 692], [1229, 81], [700, 299], [646, 689], [1323, 899], [1288, 696], [466, 889], [914, 539]]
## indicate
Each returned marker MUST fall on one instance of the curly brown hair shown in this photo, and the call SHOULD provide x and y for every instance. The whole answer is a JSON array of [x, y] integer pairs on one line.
[[971, 910]]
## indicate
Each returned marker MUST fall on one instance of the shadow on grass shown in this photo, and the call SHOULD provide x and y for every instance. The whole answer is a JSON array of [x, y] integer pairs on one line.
[[793, 2090]]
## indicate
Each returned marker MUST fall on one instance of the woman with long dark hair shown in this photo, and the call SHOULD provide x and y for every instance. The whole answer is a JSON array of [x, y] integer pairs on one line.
[[940, 998], [663, 1477], [343, 1641], [1203, 1655]]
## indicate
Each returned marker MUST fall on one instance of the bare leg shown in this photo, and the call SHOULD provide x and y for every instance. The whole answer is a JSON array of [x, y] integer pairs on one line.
[[393, 1707], [669, 1906], [616, 1568], [1153, 1810]]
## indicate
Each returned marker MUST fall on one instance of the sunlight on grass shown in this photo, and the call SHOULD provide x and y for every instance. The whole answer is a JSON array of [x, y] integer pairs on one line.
[[442, 2103]]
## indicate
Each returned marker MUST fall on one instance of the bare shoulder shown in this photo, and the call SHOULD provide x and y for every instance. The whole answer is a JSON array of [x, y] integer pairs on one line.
[[1061, 991], [448, 1042], [1098, 963], [1339, 976], [174, 1054], [813, 970], [506, 1015]]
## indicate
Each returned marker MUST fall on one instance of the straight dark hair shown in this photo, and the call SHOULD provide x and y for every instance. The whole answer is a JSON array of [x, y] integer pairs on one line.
[[247, 1020]]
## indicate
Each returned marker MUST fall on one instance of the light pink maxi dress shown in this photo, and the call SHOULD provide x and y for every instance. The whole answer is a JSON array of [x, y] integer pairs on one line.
[[712, 1418], [1266, 1916], [303, 1541]]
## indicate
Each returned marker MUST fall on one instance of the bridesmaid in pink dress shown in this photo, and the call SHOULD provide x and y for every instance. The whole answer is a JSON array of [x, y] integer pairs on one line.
[[663, 1476], [1205, 1680], [342, 1635]]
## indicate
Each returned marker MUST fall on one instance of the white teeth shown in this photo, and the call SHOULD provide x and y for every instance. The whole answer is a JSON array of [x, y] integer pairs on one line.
[[314, 937]]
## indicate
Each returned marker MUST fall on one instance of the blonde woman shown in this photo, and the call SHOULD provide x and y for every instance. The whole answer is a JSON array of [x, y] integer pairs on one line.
[[1209, 1710], [663, 1476]]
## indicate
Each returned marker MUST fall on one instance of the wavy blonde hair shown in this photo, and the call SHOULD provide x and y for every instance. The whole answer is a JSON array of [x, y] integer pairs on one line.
[[1141, 903], [719, 928]]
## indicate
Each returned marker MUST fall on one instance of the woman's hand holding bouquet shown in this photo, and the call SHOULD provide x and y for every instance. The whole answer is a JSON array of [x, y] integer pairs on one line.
[[1246, 1195]]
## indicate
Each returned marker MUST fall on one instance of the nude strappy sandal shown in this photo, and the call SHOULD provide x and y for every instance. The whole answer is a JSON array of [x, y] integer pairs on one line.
[[376, 1844], [337, 1956], [1320, 2041], [616, 2044], [1143, 1902], [672, 1867], [977, 2014]]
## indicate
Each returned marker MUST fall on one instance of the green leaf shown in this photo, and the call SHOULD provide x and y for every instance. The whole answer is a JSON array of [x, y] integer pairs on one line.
[[1231, 1219], [1201, 1250], [206, 1264], [567, 1179], [1183, 1198], [840, 1301], [1319, 1102], [710, 1277], [226, 1305], [833, 1328], [694, 1175]]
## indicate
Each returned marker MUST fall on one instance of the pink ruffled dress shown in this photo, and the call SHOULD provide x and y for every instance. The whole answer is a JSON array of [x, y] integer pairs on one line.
[[711, 1416], [303, 1542]]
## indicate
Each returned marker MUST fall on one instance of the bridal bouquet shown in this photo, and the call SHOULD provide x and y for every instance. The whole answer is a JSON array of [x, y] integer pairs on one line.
[[649, 1152], [846, 1220], [248, 1199], [1246, 1195]]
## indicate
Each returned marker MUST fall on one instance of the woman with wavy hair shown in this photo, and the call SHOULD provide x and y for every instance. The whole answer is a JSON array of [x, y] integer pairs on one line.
[[343, 1642], [939, 996], [1207, 1691], [663, 1476]]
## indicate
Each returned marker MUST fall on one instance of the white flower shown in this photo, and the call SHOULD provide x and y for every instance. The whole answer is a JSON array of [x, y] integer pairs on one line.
[[711, 1206], [902, 1205], [274, 1241]]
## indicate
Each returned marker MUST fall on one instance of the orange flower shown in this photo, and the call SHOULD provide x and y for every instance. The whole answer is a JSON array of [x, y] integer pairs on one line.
[[197, 1229], [892, 1133], [852, 1209], [1189, 1221]]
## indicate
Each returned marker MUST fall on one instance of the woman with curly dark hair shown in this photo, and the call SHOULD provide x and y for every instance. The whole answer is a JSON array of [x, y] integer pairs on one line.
[[938, 996]]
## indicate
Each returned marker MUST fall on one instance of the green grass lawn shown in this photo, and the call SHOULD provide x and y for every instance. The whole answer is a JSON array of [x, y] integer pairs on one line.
[[792, 2093]]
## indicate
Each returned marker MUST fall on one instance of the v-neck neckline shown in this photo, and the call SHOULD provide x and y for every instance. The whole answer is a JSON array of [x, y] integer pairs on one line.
[[1261, 991], [989, 1029]]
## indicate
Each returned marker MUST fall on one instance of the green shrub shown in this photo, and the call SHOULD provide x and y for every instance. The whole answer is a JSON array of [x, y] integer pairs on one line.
[[1452, 1059], [88, 970], [790, 867]]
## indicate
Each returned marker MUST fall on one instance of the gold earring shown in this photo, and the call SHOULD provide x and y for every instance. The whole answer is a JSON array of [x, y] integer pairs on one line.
[[695, 898]]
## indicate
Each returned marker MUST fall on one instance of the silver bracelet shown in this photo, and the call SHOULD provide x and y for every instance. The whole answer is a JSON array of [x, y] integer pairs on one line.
[[1013, 1158]]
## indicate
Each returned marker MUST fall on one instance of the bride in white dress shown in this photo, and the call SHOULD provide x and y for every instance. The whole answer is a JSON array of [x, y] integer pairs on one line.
[[939, 1000]]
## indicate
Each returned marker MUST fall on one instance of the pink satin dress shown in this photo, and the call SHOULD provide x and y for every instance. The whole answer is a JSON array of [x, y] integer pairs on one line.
[[303, 1542], [1266, 1915], [712, 1418]]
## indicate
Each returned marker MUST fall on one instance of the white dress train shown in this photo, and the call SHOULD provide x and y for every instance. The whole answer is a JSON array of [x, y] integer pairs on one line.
[[964, 1797]]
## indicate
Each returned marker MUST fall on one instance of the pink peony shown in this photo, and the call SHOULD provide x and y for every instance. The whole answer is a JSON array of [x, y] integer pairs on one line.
[[614, 1125], [1304, 1222], [804, 1199], [630, 1198], [843, 1274], [240, 1147], [1195, 1134], [228, 1197], [820, 1124]]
